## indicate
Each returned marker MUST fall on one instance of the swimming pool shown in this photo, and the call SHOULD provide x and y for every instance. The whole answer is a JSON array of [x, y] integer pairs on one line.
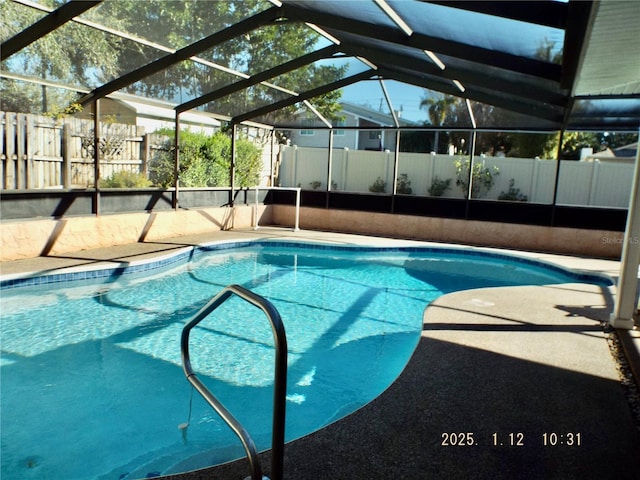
[[92, 386]]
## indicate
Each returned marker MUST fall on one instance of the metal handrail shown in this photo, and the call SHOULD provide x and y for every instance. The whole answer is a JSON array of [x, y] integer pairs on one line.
[[280, 386]]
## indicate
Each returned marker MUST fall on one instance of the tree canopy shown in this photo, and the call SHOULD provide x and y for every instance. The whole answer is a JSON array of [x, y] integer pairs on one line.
[[450, 111], [63, 56], [78, 55]]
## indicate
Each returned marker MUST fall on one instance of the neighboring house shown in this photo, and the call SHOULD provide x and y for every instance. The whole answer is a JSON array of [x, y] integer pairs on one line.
[[152, 116], [624, 154], [373, 138], [627, 151]]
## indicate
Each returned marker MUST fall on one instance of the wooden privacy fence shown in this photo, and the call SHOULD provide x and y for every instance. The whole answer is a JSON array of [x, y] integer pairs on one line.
[[38, 152], [603, 184]]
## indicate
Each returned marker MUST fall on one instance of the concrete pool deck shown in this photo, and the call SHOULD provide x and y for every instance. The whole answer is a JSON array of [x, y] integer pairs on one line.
[[501, 369]]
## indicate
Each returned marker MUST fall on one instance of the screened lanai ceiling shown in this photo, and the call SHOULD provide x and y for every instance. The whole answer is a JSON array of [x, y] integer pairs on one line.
[[532, 64]]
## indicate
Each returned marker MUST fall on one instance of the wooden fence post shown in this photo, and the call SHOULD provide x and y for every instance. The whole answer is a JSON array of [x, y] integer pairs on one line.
[[4, 159], [35, 176], [21, 160], [10, 145]]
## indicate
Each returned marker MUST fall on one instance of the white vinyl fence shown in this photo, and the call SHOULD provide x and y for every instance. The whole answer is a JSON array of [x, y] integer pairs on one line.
[[605, 184]]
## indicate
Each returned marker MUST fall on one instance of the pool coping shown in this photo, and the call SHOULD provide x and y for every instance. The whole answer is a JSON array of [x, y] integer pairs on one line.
[[108, 269]]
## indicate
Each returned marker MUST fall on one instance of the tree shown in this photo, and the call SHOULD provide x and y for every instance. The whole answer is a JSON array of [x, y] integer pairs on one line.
[[572, 144], [545, 51], [63, 55], [443, 110], [447, 110], [417, 141], [177, 24], [81, 55]]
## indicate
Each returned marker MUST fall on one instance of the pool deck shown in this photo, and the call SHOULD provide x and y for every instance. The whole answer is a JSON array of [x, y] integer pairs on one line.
[[498, 368]]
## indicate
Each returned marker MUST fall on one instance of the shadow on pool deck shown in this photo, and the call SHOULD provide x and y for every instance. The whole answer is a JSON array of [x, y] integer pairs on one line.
[[511, 364]]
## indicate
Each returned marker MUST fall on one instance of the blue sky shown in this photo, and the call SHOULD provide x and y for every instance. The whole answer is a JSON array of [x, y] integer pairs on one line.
[[403, 96]]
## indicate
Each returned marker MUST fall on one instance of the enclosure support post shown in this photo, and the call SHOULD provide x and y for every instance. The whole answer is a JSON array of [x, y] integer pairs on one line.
[[176, 162], [469, 196], [271, 181], [232, 167], [557, 179], [329, 167], [473, 140], [66, 154], [396, 159], [96, 155], [626, 303], [472, 153], [146, 151]]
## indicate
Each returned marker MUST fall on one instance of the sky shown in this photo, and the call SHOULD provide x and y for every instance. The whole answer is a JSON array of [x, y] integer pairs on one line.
[[403, 97]]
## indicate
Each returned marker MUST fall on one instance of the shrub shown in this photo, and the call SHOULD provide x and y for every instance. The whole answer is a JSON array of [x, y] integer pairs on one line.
[[125, 179], [316, 184], [439, 187], [482, 178], [248, 162], [403, 184], [205, 161], [513, 194], [379, 186]]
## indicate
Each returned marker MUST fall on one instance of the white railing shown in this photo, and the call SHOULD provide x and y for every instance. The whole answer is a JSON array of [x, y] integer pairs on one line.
[[257, 189]]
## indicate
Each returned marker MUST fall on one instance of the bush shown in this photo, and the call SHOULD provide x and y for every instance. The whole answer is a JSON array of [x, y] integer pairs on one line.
[[482, 178], [125, 179], [439, 187], [379, 186], [205, 161], [513, 194], [403, 184], [248, 163]]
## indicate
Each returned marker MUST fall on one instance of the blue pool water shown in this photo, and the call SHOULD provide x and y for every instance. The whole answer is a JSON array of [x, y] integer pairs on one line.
[[91, 378]]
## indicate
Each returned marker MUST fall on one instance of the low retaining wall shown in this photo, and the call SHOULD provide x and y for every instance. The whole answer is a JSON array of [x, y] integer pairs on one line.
[[570, 241], [33, 238]]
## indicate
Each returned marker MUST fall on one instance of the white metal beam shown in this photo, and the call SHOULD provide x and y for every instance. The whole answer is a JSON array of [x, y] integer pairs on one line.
[[626, 301]]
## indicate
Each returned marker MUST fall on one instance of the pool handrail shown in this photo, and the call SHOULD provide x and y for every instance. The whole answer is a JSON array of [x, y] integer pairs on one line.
[[280, 382]]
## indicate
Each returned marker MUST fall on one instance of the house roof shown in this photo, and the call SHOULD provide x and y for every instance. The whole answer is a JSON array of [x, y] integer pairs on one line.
[[556, 64], [627, 150], [167, 113], [375, 116]]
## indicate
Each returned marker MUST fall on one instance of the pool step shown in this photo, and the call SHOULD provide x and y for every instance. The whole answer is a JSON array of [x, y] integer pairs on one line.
[[165, 461]]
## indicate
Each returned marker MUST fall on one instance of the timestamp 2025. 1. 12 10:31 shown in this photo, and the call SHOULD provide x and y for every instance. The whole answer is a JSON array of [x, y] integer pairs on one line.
[[511, 439]]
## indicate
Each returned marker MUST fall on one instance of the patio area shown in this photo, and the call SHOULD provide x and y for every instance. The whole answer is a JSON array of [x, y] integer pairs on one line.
[[500, 124], [511, 382]]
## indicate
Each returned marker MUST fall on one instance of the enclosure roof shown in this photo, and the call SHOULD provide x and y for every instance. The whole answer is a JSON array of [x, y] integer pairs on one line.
[[573, 64]]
